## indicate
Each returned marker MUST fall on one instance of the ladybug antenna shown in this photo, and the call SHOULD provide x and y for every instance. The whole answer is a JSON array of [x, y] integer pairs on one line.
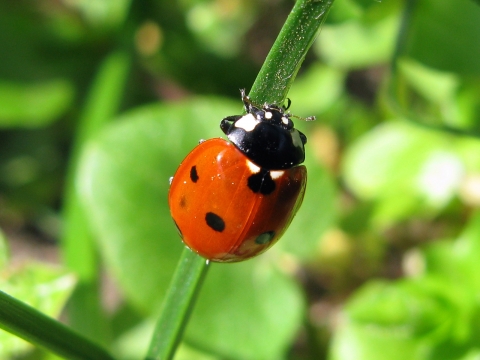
[[247, 103], [308, 118]]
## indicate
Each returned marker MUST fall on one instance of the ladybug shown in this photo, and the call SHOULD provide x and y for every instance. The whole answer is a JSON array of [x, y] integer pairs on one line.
[[232, 200]]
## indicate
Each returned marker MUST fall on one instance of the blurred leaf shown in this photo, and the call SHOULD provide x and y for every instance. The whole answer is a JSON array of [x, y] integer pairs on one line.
[[405, 167], [357, 44], [123, 180], [34, 105], [315, 90], [316, 215], [43, 287], [468, 149], [457, 261], [473, 354], [185, 352], [444, 34], [102, 13], [436, 86], [133, 344], [431, 317], [438, 98], [344, 10], [4, 253], [402, 320], [220, 26], [246, 303]]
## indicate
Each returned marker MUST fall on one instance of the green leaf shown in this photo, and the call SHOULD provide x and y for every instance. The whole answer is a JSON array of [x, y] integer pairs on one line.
[[456, 261], [316, 90], [405, 168], [102, 13], [436, 86], [36, 105], [434, 97], [316, 215], [402, 320], [43, 287], [4, 252], [246, 303], [359, 43], [220, 30], [444, 34]]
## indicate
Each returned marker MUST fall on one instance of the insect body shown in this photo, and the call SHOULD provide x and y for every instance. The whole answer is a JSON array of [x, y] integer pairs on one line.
[[233, 200]]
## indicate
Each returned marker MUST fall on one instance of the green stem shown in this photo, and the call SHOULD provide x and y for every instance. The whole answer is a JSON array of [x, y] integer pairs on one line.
[[177, 306], [288, 52], [33, 326]]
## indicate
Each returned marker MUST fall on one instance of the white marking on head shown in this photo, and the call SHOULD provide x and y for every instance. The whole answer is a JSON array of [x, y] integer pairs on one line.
[[247, 122], [253, 168], [268, 115], [276, 174], [285, 120]]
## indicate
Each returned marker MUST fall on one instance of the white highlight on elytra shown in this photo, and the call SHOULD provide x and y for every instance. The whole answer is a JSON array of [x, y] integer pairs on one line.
[[296, 139], [268, 115], [247, 122], [276, 174], [253, 168]]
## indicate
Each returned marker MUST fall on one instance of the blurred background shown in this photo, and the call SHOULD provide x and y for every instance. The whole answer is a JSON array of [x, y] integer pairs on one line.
[[101, 100]]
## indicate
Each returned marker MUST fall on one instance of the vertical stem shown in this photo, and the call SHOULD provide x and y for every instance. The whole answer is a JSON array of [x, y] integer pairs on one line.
[[288, 52], [178, 305]]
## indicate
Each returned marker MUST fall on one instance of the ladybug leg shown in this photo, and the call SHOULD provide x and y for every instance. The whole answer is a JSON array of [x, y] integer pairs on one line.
[[227, 123], [232, 118]]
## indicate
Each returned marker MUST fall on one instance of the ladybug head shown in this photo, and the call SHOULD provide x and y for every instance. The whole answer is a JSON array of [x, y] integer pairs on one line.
[[266, 135]]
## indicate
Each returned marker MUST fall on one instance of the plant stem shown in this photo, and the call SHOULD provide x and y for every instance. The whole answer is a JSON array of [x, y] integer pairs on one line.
[[33, 326], [288, 52], [177, 306]]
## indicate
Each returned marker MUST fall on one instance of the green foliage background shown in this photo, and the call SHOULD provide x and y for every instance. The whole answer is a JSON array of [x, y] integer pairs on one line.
[[100, 101]]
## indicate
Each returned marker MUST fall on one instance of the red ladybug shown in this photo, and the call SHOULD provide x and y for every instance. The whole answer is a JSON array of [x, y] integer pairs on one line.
[[233, 200]]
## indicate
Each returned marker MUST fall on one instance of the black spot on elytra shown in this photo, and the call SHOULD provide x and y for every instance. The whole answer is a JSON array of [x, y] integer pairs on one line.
[[194, 174], [261, 182], [265, 237], [215, 221]]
